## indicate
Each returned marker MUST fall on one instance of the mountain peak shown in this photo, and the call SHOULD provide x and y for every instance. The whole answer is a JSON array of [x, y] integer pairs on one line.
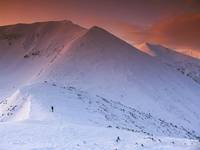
[[96, 28], [102, 35]]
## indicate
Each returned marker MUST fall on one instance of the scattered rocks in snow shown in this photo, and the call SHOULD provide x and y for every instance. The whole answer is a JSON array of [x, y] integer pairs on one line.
[[109, 126], [26, 56]]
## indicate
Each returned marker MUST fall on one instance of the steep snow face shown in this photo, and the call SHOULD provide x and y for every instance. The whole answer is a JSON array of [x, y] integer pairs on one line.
[[26, 50], [100, 63], [187, 65]]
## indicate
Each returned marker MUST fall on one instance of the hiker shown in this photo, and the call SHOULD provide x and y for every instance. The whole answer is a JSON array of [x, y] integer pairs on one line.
[[52, 109], [118, 139]]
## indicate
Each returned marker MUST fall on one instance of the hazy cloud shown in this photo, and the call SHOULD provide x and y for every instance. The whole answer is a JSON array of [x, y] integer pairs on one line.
[[182, 31]]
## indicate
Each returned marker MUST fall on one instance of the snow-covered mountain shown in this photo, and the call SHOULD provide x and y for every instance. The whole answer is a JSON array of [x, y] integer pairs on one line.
[[27, 49], [103, 64], [92, 79], [187, 65]]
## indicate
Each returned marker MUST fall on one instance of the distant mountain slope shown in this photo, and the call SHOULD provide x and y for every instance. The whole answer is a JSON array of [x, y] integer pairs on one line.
[[187, 65]]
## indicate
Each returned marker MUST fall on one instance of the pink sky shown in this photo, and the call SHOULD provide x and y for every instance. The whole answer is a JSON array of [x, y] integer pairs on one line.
[[170, 22]]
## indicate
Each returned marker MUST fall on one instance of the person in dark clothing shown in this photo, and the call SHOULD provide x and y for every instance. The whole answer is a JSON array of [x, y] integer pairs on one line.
[[118, 139], [52, 109]]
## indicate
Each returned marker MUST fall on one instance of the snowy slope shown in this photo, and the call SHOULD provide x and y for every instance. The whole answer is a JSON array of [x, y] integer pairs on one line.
[[70, 103], [54, 136], [95, 82], [187, 65], [27, 49], [100, 119], [100, 63]]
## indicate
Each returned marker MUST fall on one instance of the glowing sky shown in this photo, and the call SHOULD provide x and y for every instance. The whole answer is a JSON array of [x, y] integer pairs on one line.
[[172, 22]]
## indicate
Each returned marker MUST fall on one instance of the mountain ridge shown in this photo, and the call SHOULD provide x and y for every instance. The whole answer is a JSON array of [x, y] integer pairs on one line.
[[53, 62], [186, 65]]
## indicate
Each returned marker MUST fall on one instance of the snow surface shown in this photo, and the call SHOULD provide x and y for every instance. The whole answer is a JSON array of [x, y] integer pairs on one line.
[[100, 88], [53, 136], [101, 122]]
